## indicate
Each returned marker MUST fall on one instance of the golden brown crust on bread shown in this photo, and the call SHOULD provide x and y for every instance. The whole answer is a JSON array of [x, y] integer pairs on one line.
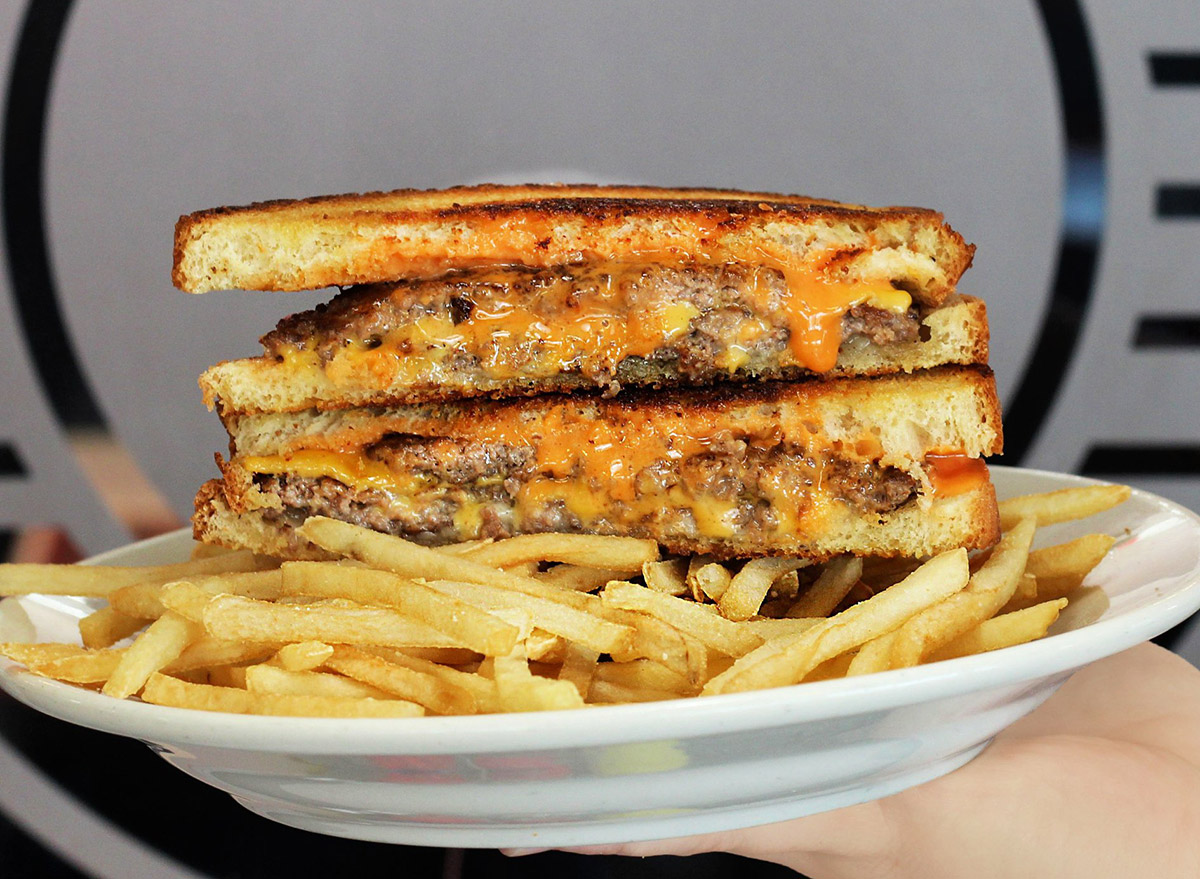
[[373, 237]]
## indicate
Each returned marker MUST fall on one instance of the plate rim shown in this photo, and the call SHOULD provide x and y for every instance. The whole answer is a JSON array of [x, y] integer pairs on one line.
[[618, 724]]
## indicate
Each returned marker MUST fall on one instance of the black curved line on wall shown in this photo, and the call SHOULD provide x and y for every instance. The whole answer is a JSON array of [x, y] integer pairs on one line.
[[34, 292], [1079, 237]]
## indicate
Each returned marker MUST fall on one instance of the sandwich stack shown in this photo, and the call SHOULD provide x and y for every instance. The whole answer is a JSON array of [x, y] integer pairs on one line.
[[730, 374]]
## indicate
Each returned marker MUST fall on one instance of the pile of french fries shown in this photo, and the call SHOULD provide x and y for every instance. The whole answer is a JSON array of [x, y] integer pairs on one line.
[[538, 622]]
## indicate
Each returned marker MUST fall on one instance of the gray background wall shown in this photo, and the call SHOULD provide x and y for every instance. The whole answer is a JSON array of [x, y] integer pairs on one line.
[[1048, 133]]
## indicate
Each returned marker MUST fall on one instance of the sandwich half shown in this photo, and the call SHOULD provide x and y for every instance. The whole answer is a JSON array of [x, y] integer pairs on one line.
[[504, 291], [888, 465]]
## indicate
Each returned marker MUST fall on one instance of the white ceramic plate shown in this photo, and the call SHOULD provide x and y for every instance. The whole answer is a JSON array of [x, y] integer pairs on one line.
[[632, 772]]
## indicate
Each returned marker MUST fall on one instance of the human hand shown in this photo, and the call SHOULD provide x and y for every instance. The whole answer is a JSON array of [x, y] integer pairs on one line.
[[1102, 780]]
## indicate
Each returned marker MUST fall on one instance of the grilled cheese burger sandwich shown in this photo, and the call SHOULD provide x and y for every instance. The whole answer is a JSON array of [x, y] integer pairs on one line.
[[734, 374], [887, 466], [504, 291]]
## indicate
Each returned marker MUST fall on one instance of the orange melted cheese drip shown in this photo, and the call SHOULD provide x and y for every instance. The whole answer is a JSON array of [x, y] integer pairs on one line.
[[952, 474], [601, 329]]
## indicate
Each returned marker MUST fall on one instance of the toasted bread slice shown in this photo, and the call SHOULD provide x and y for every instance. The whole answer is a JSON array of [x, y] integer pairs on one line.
[[519, 332], [875, 466], [386, 236]]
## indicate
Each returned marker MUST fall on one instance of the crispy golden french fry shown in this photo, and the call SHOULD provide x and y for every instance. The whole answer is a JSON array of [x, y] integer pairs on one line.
[[579, 667], [265, 678], [471, 626], [668, 575], [186, 599], [151, 651], [652, 638], [643, 674], [236, 618], [436, 694], [838, 667], [303, 655], [707, 580], [106, 626], [420, 562], [872, 657], [208, 551], [65, 662], [1064, 505], [164, 690], [789, 659], [145, 599], [990, 588], [37, 652], [833, 584], [1005, 630], [579, 578], [701, 623], [574, 625], [612, 693], [91, 667], [482, 688], [748, 587], [518, 689], [98, 581], [1061, 569], [625, 554], [209, 652]]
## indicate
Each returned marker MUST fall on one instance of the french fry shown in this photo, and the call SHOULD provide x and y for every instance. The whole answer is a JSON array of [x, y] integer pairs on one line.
[[625, 554], [1006, 630], [874, 656], [990, 588], [154, 649], [579, 668], [303, 655], [265, 678], [710, 629], [164, 690], [472, 627], [1061, 569], [829, 589], [518, 689], [209, 652], [787, 660], [1064, 505], [90, 667], [643, 674], [107, 626], [437, 695], [65, 662], [668, 575], [99, 581], [707, 579], [234, 617], [748, 587], [611, 693], [579, 578], [35, 653], [563, 620], [420, 562], [483, 689]]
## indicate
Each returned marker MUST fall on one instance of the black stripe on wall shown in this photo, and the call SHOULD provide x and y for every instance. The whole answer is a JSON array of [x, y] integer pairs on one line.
[[11, 463], [1142, 460], [1078, 249], [1167, 331], [1177, 201], [34, 290], [1175, 68]]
